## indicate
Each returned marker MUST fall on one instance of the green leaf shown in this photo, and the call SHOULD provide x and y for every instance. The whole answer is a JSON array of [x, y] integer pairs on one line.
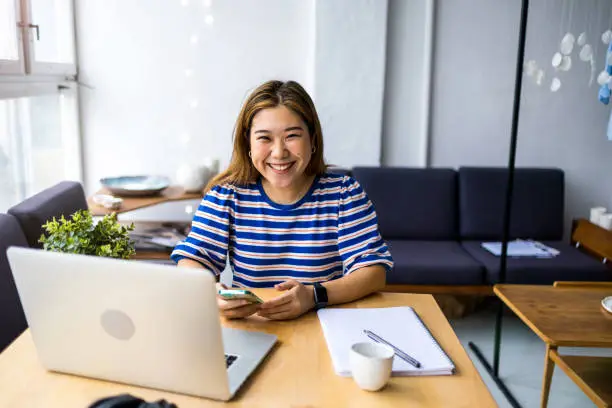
[[80, 235]]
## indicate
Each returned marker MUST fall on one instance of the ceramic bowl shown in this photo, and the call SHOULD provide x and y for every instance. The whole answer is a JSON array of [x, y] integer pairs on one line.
[[607, 303], [135, 186]]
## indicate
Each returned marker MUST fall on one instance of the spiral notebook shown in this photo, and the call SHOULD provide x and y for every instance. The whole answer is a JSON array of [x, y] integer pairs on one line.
[[400, 326]]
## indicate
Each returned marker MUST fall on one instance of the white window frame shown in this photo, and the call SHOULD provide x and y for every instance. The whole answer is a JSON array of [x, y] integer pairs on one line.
[[15, 67], [29, 34], [30, 78], [27, 65]]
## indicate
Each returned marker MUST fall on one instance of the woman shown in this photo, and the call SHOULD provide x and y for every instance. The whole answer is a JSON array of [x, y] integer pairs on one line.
[[281, 218]]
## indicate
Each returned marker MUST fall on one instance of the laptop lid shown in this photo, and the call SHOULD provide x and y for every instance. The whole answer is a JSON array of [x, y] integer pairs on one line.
[[145, 324]]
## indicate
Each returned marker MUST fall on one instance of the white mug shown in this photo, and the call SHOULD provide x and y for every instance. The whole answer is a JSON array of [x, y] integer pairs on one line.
[[605, 221], [371, 365], [596, 213]]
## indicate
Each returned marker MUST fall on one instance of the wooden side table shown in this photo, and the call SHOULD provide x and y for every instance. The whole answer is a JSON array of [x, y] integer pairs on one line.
[[563, 316], [172, 193]]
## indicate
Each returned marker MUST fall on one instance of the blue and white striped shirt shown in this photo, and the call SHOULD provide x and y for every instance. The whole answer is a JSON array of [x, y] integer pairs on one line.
[[329, 233]]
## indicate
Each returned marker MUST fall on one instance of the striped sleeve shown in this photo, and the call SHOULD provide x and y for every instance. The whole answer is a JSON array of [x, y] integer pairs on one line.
[[207, 243], [359, 241]]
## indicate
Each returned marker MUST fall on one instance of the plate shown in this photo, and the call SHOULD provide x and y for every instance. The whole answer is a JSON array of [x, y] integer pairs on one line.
[[135, 186], [607, 303]]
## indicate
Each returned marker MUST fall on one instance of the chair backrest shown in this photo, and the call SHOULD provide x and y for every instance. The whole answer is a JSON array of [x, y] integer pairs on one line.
[[537, 203], [62, 199], [12, 319], [592, 238], [583, 285], [412, 203]]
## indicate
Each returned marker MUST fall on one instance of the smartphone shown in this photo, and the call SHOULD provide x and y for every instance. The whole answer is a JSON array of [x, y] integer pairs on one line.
[[232, 294]]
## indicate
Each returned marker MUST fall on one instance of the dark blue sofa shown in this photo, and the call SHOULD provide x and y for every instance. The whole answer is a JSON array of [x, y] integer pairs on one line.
[[435, 219]]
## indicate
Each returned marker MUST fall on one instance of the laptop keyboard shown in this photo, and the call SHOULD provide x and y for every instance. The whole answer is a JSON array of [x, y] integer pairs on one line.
[[229, 360]]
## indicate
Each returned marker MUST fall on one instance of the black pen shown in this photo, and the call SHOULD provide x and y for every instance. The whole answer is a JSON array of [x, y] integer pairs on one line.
[[399, 352]]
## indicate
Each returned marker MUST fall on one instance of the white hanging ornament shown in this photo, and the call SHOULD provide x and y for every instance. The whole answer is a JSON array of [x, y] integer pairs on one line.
[[606, 37], [586, 53], [603, 78], [539, 76], [555, 84], [557, 59], [566, 63], [582, 39], [567, 44], [531, 67]]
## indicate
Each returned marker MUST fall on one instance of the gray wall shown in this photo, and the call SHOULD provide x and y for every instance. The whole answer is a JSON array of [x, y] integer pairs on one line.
[[474, 63], [404, 127]]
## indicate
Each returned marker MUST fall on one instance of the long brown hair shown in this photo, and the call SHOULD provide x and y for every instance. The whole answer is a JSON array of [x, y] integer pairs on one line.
[[290, 94]]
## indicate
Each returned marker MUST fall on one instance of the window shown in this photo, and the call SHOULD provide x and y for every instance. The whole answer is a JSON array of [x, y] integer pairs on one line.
[[39, 133], [39, 144], [11, 47], [51, 37], [37, 37]]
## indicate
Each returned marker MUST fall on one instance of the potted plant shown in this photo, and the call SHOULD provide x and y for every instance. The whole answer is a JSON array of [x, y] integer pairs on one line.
[[80, 235]]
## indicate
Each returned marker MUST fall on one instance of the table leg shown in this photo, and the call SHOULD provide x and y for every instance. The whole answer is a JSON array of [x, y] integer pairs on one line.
[[549, 367]]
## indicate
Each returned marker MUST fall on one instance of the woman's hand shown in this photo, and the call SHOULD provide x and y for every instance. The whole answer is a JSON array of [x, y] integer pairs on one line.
[[297, 300], [235, 309]]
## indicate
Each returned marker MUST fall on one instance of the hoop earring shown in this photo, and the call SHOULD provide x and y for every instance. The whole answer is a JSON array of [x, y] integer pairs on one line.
[[314, 149], [249, 153]]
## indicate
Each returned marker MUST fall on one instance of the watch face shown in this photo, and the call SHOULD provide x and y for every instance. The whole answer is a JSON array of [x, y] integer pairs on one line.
[[320, 295]]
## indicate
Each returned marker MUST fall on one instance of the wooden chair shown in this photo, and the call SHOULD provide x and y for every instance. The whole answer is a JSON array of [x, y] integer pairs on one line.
[[592, 239], [583, 285]]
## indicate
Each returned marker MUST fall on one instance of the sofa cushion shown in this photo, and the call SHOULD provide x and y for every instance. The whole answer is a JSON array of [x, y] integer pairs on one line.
[[569, 265], [433, 263], [537, 204], [64, 198], [12, 319], [412, 203]]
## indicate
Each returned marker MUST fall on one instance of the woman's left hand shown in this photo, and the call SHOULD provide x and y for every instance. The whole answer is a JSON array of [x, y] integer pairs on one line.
[[297, 300]]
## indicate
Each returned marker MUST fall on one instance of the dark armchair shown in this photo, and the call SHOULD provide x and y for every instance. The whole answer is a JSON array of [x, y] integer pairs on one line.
[[12, 319], [62, 199]]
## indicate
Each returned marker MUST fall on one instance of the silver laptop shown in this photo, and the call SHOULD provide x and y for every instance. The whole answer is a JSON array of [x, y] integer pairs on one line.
[[150, 325]]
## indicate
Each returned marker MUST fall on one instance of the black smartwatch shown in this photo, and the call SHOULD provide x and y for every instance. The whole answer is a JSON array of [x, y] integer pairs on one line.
[[320, 296]]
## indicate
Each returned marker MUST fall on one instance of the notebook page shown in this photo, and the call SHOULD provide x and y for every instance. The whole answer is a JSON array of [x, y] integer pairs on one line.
[[398, 325]]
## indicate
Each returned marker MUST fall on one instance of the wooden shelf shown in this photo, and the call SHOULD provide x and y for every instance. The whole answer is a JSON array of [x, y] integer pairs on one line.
[[172, 193], [592, 374]]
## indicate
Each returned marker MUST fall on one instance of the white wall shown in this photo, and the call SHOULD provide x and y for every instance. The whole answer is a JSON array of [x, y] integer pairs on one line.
[[349, 78], [405, 134], [147, 114]]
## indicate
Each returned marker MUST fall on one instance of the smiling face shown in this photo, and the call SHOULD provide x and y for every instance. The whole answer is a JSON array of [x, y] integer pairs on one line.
[[281, 148]]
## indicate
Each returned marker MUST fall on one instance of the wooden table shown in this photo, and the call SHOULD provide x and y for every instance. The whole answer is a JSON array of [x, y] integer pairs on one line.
[[297, 373], [172, 193], [564, 317]]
